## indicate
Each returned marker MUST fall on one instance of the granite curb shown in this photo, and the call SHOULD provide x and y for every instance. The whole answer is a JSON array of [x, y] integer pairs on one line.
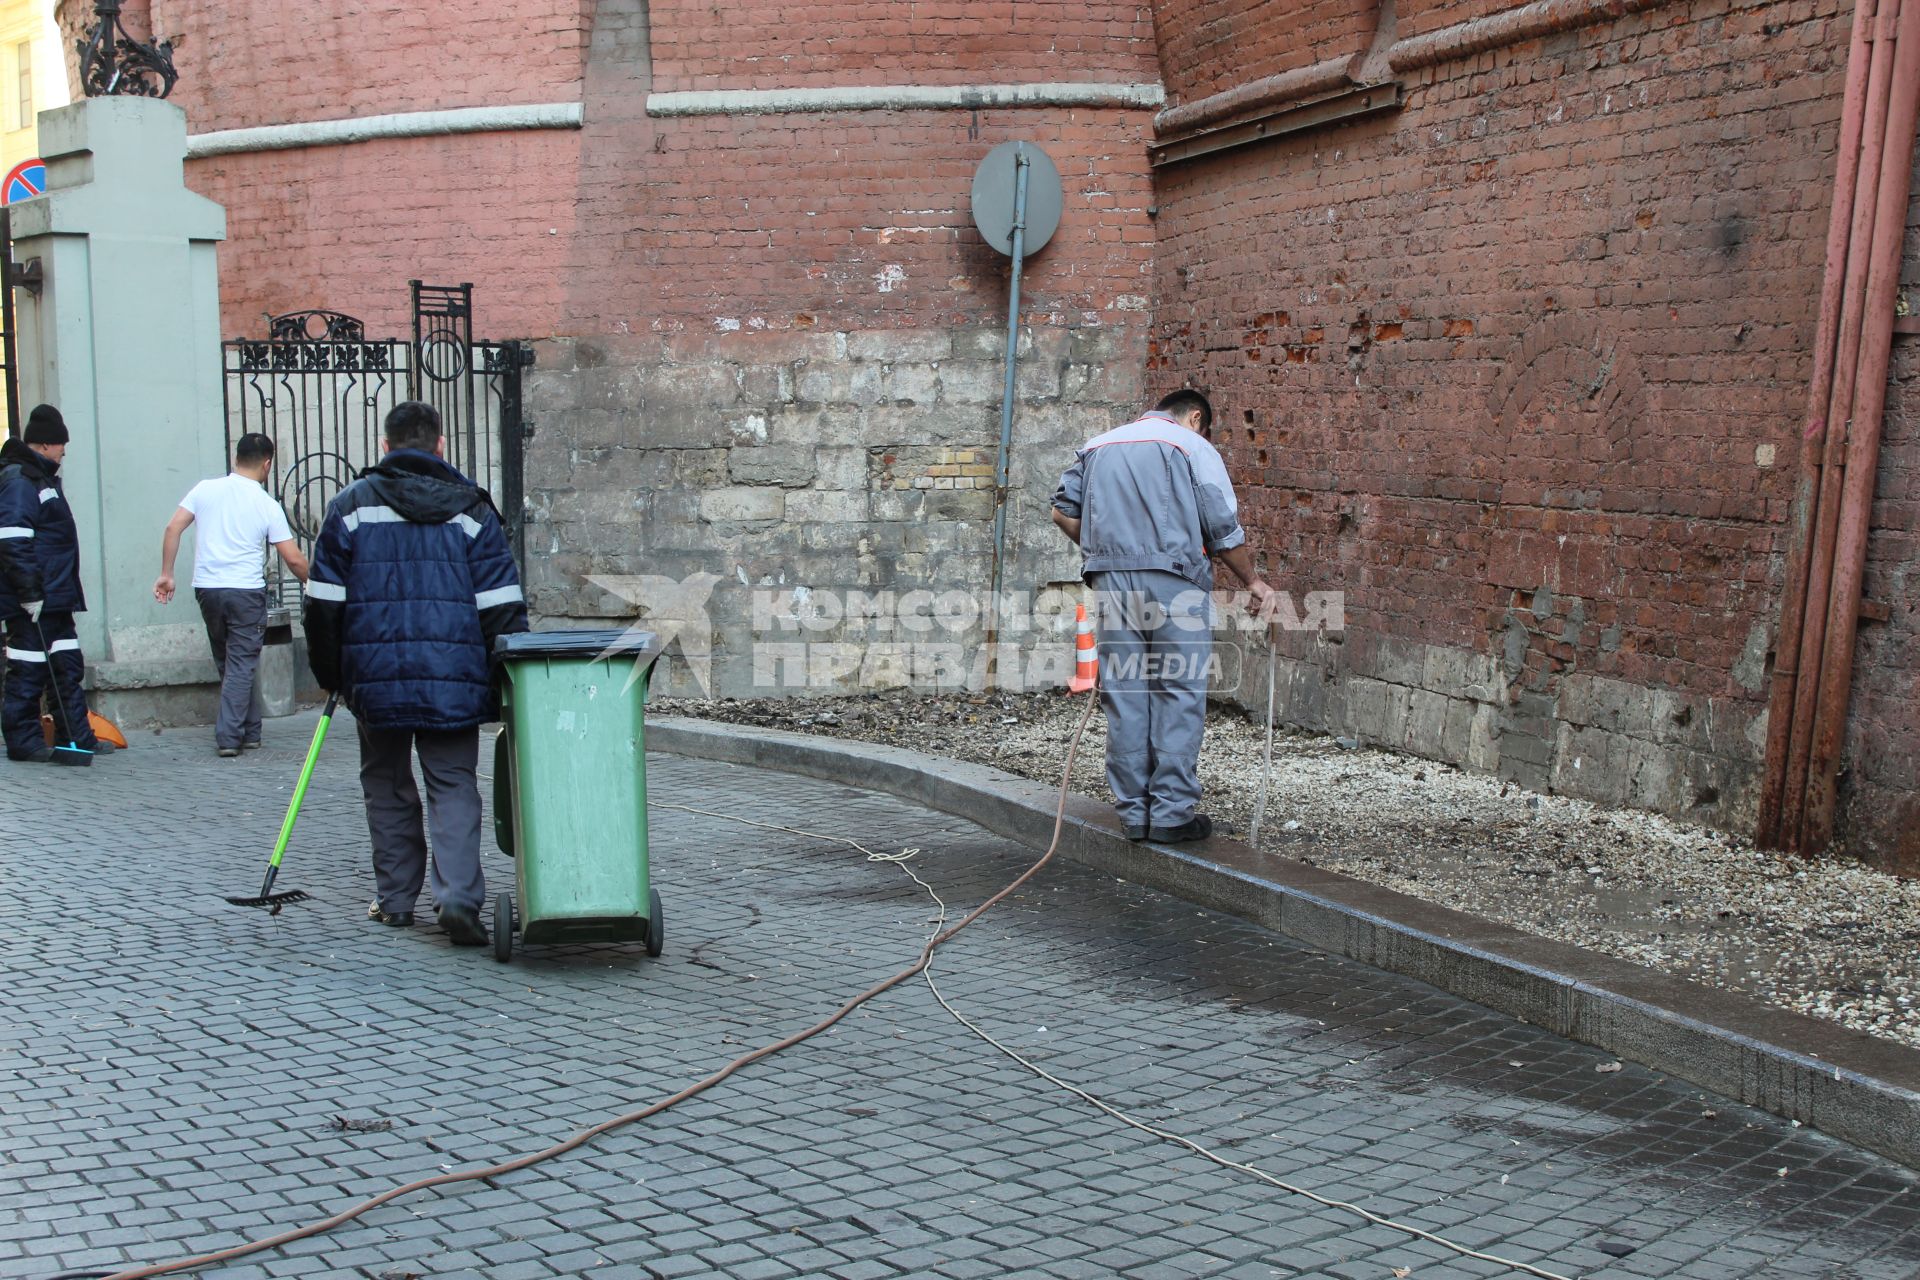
[[1841, 1082]]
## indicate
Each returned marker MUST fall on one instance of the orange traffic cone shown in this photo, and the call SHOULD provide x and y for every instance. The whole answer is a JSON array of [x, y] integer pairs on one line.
[[1086, 664]]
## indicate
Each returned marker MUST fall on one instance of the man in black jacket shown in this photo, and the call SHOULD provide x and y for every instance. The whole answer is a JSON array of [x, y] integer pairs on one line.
[[411, 582], [40, 591]]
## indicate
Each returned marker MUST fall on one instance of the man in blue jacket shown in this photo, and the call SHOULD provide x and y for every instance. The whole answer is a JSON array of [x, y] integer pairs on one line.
[[410, 583], [40, 591]]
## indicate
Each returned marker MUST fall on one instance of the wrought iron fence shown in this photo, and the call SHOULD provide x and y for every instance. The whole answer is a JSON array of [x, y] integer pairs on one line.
[[320, 389]]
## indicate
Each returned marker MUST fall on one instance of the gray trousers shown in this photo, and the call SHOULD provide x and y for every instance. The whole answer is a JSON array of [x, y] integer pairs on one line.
[[236, 621], [1156, 640], [447, 761]]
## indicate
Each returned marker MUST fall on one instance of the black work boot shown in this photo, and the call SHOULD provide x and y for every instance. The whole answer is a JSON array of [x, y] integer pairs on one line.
[[1198, 827], [398, 919], [463, 926]]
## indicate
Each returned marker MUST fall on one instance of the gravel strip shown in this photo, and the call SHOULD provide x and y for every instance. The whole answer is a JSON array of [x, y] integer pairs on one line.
[[1825, 937]]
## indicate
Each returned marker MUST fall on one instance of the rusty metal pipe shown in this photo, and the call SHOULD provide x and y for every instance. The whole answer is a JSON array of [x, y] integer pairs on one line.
[[1826, 513], [1786, 645], [1863, 447]]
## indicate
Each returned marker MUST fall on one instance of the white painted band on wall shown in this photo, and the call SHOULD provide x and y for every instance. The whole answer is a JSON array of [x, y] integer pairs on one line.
[[405, 124], [902, 97]]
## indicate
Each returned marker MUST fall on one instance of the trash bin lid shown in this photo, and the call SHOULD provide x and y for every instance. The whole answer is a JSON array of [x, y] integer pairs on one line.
[[600, 642]]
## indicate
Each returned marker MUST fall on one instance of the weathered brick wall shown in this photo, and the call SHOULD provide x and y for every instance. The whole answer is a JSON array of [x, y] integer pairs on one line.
[[1520, 367], [1421, 17], [1880, 798], [789, 329], [768, 343], [701, 45], [1208, 46], [345, 228], [849, 219], [808, 462], [255, 64], [637, 224]]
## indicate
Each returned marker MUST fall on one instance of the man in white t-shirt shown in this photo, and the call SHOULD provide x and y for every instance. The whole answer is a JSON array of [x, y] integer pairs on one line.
[[238, 521]]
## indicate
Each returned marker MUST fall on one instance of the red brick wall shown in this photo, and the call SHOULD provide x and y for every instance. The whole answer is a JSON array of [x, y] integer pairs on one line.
[[1520, 366], [345, 228], [765, 45], [761, 328], [1883, 739], [793, 221], [1208, 46], [254, 64], [1420, 17], [837, 220]]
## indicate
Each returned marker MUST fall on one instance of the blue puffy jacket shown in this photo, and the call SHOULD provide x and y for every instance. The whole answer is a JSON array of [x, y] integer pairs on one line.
[[39, 545], [411, 581]]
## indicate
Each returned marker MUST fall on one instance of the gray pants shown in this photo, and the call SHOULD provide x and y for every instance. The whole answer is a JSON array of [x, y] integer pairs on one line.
[[1155, 643], [236, 621], [447, 761]]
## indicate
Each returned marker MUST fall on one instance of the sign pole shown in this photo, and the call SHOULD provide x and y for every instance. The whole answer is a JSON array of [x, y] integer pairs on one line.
[[1021, 167]]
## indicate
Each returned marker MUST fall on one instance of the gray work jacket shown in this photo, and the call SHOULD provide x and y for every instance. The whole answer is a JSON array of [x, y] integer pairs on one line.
[[1151, 495]]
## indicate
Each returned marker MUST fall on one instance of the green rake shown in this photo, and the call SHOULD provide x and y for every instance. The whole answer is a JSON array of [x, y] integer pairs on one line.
[[267, 897]]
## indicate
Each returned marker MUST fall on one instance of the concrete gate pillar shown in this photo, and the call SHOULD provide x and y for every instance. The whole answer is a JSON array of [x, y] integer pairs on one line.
[[124, 338]]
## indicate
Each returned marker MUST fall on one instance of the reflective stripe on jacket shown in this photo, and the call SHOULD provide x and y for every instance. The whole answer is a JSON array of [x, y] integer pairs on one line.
[[39, 542], [411, 581]]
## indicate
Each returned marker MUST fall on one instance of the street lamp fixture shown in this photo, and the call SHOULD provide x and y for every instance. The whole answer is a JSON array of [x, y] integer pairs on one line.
[[113, 62]]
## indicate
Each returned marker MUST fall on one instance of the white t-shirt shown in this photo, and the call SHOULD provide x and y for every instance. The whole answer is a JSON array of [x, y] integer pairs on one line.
[[234, 521]]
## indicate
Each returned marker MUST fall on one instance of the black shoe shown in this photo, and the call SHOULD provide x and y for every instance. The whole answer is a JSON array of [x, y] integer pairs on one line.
[[1136, 834], [39, 755], [1198, 827], [103, 748], [227, 753], [250, 746], [463, 926], [398, 919]]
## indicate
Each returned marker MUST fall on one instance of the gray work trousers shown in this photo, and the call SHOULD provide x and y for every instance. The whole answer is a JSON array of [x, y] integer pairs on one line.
[[236, 621], [448, 758], [1156, 641]]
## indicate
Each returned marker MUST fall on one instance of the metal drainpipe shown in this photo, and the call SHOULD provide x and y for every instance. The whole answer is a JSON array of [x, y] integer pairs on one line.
[[1021, 165], [1786, 646], [1826, 514], [1863, 449]]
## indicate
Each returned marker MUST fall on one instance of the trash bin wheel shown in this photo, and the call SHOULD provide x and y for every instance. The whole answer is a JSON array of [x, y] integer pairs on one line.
[[656, 923], [503, 927]]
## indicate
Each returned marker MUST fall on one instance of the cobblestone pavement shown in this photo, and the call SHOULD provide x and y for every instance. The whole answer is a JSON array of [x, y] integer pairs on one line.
[[172, 1070]]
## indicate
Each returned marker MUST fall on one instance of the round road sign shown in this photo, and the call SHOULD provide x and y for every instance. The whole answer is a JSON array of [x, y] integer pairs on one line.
[[994, 188], [24, 181]]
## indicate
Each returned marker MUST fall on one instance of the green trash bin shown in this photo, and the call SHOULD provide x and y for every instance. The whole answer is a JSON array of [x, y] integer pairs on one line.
[[570, 789]]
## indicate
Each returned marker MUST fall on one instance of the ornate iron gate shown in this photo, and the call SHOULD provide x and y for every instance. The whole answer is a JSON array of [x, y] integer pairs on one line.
[[320, 389]]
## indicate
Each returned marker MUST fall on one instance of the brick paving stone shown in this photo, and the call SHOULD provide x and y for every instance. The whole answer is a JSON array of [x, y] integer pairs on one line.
[[171, 1071]]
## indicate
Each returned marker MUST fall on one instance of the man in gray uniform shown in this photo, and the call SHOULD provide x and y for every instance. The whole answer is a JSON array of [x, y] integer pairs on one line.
[[1152, 508]]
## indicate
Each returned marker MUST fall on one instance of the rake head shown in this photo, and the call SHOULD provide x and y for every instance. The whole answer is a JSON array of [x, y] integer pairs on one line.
[[272, 901]]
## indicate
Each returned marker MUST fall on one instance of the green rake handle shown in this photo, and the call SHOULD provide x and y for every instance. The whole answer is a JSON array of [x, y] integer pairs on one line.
[[299, 793]]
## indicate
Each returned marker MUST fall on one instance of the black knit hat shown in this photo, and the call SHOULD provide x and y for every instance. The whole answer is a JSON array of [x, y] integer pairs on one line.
[[46, 426]]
